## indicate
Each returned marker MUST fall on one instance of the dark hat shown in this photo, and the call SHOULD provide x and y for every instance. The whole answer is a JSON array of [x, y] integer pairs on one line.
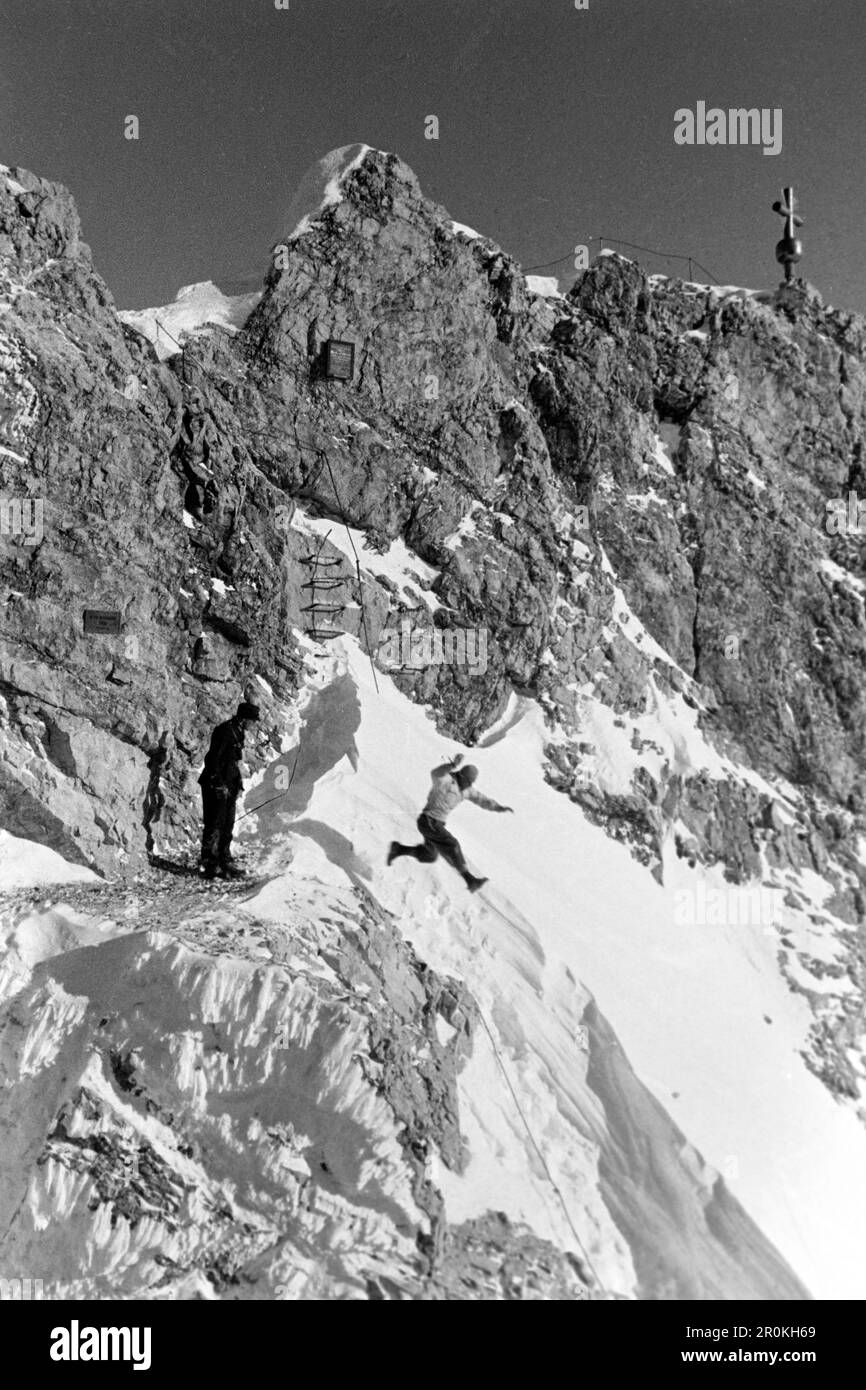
[[466, 776], [247, 711]]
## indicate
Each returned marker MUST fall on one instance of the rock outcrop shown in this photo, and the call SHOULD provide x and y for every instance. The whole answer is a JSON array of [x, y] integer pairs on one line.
[[512, 442]]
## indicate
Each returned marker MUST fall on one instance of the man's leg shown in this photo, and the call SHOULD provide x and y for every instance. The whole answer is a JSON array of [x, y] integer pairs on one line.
[[450, 850], [396, 851], [426, 852], [212, 811], [442, 841], [227, 828], [439, 840]]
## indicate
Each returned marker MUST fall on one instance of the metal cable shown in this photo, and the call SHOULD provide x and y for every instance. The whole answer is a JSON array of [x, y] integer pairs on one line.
[[633, 246], [535, 1145]]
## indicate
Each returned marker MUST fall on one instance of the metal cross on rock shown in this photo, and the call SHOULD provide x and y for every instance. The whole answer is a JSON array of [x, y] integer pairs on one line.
[[790, 248]]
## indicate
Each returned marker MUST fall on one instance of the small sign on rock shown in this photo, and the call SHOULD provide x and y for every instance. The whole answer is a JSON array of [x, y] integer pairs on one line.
[[102, 621], [339, 359]]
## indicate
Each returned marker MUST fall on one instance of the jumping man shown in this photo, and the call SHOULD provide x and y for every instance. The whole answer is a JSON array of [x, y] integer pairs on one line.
[[450, 787]]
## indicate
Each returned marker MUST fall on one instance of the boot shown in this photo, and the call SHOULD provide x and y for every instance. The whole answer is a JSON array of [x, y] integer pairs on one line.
[[473, 883], [209, 871], [231, 871], [394, 852]]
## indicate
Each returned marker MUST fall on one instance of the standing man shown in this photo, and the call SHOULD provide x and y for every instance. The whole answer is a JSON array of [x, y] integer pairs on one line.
[[221, 784], [450, 787]]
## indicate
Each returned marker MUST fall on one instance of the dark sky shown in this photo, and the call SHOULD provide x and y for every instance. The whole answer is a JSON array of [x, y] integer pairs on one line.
[[555, 124]]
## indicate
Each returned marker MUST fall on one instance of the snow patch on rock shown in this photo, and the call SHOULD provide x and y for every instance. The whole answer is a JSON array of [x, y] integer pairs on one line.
[[322, 187], [547, 286], [194, 309]]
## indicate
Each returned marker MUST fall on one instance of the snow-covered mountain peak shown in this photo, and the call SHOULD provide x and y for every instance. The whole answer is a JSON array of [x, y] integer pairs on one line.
[[322, 187], [194, 308]]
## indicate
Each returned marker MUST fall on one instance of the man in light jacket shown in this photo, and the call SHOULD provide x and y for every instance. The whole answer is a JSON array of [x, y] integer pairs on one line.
[[451, 785]]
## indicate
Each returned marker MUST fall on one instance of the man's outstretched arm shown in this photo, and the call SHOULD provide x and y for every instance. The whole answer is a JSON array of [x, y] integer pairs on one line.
[[486, 802]]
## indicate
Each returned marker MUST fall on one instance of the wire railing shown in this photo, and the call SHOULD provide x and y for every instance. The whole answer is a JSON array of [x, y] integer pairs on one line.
[[614, 241]]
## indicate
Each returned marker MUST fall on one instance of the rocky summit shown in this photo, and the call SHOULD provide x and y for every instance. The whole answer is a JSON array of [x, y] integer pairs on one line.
[[631, 492]]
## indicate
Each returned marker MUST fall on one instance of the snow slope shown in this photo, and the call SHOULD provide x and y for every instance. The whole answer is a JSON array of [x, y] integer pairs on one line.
[[24, 863], [703, 1013]]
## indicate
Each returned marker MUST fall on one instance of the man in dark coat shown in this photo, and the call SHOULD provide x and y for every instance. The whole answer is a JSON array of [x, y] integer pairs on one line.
[[221, 785]]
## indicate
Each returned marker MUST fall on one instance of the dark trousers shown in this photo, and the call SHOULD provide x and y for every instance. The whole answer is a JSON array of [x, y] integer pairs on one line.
[[218, 809], [437, 840]]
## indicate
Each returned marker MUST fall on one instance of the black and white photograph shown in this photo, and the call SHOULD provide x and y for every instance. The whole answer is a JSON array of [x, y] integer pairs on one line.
[[432, 670]]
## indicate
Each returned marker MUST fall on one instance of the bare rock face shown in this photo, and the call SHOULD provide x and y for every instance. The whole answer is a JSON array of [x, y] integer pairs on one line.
[[470, 407], [509, 441], [431, 430], [90, 427]]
